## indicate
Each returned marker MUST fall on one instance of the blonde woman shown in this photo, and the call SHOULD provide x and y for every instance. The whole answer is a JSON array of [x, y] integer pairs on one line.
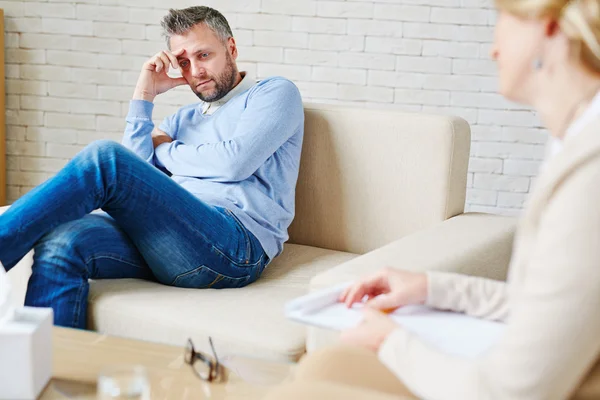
[[548, 56]]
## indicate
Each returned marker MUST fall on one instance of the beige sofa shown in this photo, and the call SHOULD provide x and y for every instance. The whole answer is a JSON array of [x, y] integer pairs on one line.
[[376, 187]]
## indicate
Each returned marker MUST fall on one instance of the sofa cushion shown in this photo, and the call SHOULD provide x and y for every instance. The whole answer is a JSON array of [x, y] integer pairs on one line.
[[246, 321], [371, 176]]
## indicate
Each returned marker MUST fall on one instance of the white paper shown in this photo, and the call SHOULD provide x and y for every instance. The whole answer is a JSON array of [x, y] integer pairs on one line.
[[452, 333]]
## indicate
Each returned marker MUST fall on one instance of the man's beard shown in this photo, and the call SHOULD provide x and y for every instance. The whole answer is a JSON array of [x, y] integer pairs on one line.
[[223, 83]]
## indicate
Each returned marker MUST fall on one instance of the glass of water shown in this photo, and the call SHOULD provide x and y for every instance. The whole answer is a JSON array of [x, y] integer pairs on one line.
[[123, 383]]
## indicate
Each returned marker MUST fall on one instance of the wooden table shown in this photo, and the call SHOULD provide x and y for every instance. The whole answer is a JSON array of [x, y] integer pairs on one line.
[[79, 356]]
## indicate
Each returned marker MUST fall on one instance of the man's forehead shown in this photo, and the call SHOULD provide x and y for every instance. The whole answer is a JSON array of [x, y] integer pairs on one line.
[[198, 38], [188, 49]]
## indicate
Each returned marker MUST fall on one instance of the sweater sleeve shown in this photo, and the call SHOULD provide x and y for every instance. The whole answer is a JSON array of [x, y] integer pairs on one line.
[[274, 113], [138, 131], [551, 337], [477, 297]]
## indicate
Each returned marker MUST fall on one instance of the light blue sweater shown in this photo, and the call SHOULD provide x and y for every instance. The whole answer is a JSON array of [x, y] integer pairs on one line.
[[244, 157]]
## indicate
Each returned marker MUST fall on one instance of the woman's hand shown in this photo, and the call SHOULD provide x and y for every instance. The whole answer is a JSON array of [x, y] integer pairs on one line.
[[388, 289], [371, 332]]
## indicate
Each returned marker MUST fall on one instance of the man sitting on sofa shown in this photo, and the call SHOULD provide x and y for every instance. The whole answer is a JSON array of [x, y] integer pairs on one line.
[[204, 201]]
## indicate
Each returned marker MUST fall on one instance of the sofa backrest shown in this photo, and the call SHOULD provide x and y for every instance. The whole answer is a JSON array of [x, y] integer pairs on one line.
[[369, 176]]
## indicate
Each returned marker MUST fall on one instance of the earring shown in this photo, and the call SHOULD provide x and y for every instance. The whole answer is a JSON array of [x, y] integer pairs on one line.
[[538, 64]]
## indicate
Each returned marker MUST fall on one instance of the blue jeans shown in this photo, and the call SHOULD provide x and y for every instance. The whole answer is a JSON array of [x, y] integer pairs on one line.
[[151, 228]]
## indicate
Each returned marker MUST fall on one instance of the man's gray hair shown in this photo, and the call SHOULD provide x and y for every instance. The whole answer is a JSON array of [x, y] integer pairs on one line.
[[179, 22]]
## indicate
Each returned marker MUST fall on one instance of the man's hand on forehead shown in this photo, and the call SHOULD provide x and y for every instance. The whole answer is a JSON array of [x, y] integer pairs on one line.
[[165, 59], [154, 78]]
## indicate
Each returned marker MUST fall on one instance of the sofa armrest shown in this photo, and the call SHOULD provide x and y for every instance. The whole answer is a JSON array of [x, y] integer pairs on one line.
[[19, 274], [19, 277], [472, 244]]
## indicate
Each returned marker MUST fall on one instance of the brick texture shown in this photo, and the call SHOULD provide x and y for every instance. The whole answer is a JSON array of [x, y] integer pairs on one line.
[[71, 67]]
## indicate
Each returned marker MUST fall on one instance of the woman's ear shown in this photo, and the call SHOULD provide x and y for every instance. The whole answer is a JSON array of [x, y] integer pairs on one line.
[[551, 27]]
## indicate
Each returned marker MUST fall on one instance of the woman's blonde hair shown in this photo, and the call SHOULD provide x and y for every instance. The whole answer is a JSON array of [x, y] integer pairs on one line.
[[578, 19]]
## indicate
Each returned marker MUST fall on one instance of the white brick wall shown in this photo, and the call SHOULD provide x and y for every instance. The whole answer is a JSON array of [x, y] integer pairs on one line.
[[72, 65]]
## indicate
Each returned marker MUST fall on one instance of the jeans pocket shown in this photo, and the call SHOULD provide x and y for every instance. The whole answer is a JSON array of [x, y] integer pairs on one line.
[[241, 259], [206, 278]]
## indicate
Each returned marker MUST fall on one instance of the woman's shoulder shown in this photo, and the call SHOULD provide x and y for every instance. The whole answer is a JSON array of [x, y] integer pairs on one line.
[[575, 169], [577, 191]]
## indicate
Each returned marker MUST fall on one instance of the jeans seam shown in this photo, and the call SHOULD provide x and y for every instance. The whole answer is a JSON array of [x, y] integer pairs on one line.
[[219, 275], [77, 313], [236, 263], [218, 279], [260, 270], [241, 225], [185, 273], [111, 257]]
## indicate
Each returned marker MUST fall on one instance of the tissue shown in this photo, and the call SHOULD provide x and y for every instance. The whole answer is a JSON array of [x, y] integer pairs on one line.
[[25, 347]]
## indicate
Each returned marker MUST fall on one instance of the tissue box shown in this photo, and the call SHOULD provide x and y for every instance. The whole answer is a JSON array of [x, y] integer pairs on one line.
[[26, 353]]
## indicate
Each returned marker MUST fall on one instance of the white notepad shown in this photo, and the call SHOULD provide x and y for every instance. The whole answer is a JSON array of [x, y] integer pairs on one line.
[[452, 333]]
